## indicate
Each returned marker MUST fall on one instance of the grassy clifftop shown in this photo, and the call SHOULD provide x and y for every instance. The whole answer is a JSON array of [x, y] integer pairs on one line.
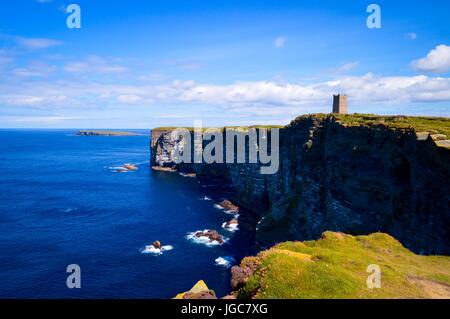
[[335, 267], [432, 125]]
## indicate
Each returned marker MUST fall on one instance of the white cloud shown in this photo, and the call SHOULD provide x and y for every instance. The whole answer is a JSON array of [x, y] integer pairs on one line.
[[94, 64], [34, 100], [347, 67], [279, 42], [39, 119], [129, 98], [367, 88], [436, 61], [5, 57], [412, 35], [255, 98], [153, 77], [37, 43], [35, 69]]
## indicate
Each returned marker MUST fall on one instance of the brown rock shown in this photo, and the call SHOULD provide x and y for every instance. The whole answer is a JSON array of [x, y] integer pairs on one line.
[[213, 235], [227, 205], [241, 274], [157, 244], [232, 222], [163, 169], [209, 294], [130, 167]]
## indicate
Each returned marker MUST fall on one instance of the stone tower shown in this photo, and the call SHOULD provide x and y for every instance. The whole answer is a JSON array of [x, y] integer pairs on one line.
[[340, 104]]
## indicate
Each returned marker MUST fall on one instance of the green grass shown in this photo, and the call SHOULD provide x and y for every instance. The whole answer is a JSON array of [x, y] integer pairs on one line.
[[335, 267], [171, 128], [433, 125]]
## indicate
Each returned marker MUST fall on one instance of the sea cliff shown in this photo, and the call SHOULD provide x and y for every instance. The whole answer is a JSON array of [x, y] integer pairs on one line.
[[357, 174]]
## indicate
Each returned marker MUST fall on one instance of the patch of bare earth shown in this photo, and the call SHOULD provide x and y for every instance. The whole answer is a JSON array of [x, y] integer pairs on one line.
[[435, 290]]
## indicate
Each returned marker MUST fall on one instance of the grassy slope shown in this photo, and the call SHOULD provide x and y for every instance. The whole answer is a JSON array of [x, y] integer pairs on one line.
[[335, 267]]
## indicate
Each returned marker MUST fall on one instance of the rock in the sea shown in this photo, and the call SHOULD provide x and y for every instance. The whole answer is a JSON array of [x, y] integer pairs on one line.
[[229, 206], [163, 169], [104, 133], [213, 235], [157, 244], [231, 225], [130, 167]]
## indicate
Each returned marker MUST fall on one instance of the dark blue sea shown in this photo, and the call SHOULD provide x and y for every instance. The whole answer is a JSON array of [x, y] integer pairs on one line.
[[62, 202]]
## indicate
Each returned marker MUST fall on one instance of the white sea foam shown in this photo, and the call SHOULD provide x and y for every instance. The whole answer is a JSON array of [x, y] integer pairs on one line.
[[204, 240], [206, 198], [231, 228], [118, 169], [122, 169], [150, 249], [226, 261], [69, 210], [232, 212], [218, 206]]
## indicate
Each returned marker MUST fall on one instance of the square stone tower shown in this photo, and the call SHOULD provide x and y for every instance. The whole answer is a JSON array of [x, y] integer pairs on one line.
[[340, 104]]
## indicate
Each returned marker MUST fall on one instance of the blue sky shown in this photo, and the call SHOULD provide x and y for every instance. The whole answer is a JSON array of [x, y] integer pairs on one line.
[[140, 64]]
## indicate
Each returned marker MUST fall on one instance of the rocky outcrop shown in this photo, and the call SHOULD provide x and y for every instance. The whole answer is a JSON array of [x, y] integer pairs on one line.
[[229, 206], [199, 291], [212, 235], [104, 133], [241, 274], [354, 178]]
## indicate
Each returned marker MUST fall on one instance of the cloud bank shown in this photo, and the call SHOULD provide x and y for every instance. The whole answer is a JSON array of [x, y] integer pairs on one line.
[[436, 61], [266, 97]]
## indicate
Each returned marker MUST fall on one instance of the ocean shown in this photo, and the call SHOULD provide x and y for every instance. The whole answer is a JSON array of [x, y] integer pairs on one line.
[[63, 202]]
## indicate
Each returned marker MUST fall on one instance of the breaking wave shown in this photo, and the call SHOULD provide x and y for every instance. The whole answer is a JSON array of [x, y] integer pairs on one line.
[[204, 240], [226, 261], [150, 249], [231, 228]]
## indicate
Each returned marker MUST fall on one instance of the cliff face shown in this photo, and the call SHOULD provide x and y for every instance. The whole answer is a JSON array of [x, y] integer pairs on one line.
[[356, 179]]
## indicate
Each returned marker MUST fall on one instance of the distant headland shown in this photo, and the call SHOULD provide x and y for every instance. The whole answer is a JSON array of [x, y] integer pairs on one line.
[[105, 133]]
